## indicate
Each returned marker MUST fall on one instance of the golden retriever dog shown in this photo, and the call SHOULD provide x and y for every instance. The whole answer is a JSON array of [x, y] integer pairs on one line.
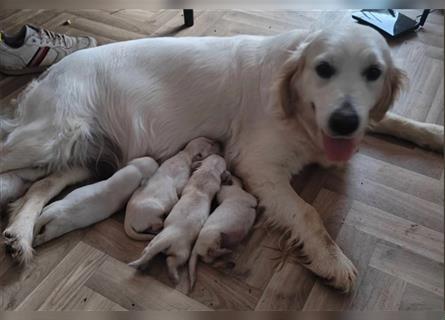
[[276, 103]]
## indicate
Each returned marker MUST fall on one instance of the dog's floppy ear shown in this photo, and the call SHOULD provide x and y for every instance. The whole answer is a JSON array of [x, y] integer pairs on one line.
[[394, 81], [291, 69]]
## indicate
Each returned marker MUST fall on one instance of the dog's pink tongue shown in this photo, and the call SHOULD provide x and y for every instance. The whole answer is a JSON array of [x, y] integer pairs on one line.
[[338, 150]]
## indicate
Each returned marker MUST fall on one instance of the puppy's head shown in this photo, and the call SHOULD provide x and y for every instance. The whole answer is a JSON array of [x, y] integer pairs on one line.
[[336, 81], [213, 163], [200, 148]]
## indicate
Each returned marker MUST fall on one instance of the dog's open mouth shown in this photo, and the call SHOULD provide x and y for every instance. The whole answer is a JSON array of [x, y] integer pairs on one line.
[[339, 149]]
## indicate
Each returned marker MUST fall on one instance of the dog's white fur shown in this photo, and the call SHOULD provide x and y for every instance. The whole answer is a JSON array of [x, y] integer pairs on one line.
[[187, 217], [227, 225], [254, 94], [25, 210], [427, 135], [92, 203], [150, 204], [14, 184]]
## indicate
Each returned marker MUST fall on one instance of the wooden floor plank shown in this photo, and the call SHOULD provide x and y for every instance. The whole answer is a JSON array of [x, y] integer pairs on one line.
[[364, 167], [417, 238], [392, 201], [135, 291], [410, 267], [416, 299], [17, 283], [382, 292], [62, 284], [86, 299]]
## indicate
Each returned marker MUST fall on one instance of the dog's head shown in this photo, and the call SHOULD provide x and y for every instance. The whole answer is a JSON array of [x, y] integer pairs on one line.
[[338, 81]]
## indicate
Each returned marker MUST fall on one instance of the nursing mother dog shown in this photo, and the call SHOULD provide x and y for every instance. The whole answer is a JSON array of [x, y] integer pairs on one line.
[[276, 103]]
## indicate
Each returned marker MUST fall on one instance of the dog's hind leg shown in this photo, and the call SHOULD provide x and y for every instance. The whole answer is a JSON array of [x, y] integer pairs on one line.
[[14, 184], [427, 135], [27, 146], [18, 236]]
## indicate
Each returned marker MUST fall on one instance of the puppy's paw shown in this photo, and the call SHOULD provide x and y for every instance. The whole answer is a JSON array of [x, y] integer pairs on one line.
[[138, 264], [17, 247]]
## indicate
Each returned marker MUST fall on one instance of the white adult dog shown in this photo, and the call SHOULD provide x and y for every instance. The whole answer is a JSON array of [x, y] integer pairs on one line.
[[277, 103]]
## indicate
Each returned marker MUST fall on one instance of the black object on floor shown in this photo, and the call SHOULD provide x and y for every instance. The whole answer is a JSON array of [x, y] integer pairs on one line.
[[390, 22], [188, 17]]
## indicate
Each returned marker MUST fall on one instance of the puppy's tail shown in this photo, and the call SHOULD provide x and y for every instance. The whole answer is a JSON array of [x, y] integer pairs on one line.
[[156, 246], [192, 266], [150, 207], [135, 235]]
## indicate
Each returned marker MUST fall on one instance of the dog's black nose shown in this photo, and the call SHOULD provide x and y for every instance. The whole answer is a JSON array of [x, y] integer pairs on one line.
[[344, 120]]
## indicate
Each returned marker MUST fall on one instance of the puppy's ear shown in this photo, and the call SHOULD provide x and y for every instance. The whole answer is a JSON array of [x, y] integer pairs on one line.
[[196, 165], [394, 81], [226, 178], [290, 71], [197, 157]]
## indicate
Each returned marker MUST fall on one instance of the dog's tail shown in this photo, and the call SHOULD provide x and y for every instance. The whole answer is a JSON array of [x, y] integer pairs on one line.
[[159, 244]]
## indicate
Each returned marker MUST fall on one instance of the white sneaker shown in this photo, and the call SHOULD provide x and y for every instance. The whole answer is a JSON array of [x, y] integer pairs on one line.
[[34, 49]]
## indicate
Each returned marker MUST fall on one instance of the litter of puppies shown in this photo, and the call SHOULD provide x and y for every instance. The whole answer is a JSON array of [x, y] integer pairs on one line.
[[168, 204]]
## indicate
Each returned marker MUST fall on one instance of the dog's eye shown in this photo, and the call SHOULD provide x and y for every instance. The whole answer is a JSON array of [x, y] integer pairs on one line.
[[372, 73], [325, 70]]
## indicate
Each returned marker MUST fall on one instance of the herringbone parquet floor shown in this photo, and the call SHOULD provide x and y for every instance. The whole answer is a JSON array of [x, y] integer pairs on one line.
[[385, 209]]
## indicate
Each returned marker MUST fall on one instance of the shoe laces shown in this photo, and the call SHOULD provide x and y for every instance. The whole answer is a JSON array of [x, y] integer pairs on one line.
[[55, 38]]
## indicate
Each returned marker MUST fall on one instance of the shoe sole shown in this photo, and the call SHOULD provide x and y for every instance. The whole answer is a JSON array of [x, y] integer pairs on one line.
[[19, 72]]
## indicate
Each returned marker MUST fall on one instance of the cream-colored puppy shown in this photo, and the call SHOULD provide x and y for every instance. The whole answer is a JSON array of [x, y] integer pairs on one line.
[[149, 205], [227, 225], [187, 217], [92, 203]]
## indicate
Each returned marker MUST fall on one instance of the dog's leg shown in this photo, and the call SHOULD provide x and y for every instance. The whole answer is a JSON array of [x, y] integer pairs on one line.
[[426, 135], [27, 146], [19, 234], [92, 203], [308, 239], [13, 184]]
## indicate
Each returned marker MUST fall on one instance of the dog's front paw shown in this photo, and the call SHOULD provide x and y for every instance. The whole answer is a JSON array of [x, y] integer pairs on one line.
[[17, 247], [50, 225], [341, 273], [326, 260]]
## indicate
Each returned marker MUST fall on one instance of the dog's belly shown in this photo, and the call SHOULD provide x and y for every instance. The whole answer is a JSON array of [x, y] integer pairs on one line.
[[163, 104]]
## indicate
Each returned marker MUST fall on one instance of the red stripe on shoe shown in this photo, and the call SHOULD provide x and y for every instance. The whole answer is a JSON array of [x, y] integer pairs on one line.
[[41, 56], [38, 57], [33, 58]]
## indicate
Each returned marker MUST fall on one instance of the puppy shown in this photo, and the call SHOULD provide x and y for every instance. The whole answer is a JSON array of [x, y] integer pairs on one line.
[[150, 204], [92, 203], [187, 217], [227, 225]]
